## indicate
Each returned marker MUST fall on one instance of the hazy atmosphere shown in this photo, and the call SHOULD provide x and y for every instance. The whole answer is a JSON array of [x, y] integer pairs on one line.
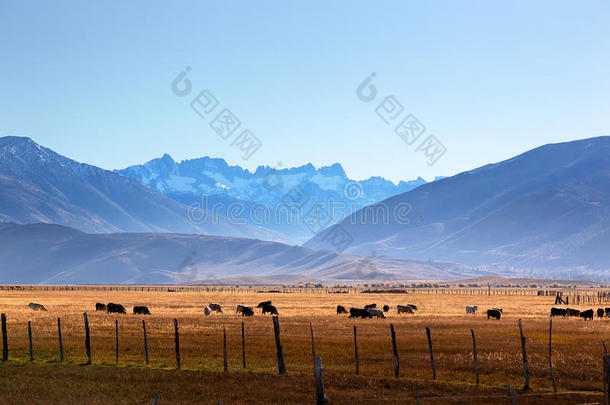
[[267, 202]]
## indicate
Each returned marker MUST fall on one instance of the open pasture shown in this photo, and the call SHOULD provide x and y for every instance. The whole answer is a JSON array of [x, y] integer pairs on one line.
[[577, 348]]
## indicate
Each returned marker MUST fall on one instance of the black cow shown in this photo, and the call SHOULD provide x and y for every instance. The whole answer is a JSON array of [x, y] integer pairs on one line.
[[494, 313], [600, 312], [386, 308], [370, 306], [341, 310], [588, 314], [115, 308], [572, 312], [412, 306], [558, 311], [142, 310], [100, 307], [263, 304], [247, 311], [359, 313], [607, 312], [270, 309]]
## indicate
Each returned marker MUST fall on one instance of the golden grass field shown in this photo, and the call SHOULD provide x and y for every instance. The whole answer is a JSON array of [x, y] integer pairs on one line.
[[577, 350]]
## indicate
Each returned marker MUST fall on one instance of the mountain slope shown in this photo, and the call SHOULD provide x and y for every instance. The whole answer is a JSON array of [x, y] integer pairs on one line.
[[39, 185], [546, 211], [53, 254], [224, 186]]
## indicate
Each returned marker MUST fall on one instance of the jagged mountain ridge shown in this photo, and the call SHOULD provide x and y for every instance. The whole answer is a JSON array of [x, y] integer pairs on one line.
[[222, 185]]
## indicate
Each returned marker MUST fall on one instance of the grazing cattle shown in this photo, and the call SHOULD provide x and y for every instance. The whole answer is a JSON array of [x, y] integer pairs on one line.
[[607, 312], [36, 307], [404, 309], [386, 308], [341, 310], [494, 313], [141, 310], [558, 311], [588, 314], [376, 312], [207, 311], [270, 309], [600, 312], [572, 312], [247, 311], [359, 313], [263, 304], [115, 308], [215, 307], [471, 309], [412, 306], [497, 309], [370, 306], [100, 307]]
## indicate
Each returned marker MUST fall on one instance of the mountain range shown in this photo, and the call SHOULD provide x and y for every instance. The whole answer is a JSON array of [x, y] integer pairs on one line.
[[544, 213], [261, 196]]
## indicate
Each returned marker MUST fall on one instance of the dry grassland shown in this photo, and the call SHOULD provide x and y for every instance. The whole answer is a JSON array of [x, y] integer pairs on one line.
[[577, 350]]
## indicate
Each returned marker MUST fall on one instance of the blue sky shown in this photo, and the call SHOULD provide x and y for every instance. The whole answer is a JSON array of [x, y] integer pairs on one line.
[[488, 79]]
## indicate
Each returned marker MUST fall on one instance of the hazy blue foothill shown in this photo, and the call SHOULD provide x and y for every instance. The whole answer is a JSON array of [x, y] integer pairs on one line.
[[545, 212]]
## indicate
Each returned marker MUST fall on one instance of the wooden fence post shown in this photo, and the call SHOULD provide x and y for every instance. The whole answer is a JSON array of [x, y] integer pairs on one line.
[[550, 354], [431, 354], [4, 339], [87, 339], [474, 355], [320, 397], [395, 351], [224, 350], [606, 380], [243, 345], [116, 346], [513, 394], [177, 343], [356, 352], [280, 356], [61, 344], [313, 346], [30, 338], [145, 341], [526, 373]]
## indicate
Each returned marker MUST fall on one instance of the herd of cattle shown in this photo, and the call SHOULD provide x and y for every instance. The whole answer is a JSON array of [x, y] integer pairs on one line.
[[588, 314], [119, 309], [266, 308], [369, 311]]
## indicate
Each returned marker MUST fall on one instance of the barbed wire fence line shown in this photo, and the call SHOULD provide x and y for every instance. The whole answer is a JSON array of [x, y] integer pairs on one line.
[[275, 336]]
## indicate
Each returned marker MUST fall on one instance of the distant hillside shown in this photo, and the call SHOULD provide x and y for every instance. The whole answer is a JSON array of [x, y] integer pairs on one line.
[[544, 213], [39, 185], [53, 254]]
